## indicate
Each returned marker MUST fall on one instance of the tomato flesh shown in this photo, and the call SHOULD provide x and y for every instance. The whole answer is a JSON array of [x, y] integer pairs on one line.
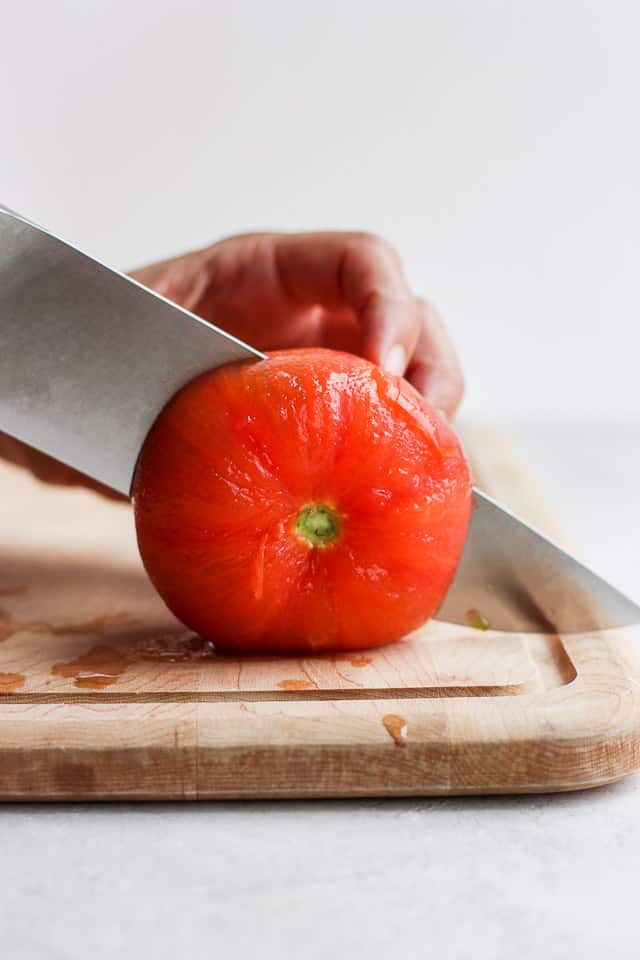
[[304, 503]]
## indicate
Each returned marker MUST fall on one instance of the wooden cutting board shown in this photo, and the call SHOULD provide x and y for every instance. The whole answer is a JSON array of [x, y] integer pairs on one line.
[[104, 695]]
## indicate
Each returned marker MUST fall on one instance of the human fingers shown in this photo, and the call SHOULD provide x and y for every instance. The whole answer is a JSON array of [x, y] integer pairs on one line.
[[434, 368], [359, 271]]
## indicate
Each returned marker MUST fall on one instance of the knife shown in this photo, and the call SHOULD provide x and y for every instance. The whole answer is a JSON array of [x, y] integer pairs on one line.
[[89, 357]]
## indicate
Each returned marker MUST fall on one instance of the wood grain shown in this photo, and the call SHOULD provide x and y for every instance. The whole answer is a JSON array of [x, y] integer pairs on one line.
[[104, 695]]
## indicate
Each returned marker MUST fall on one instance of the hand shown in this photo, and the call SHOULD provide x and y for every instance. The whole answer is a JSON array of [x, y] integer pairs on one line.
[[342, 290]]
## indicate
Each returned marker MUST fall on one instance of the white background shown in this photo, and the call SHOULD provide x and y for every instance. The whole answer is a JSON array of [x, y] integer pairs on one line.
[[495, 143]]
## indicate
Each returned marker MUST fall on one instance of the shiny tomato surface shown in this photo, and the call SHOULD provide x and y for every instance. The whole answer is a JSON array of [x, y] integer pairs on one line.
[[304, 503]]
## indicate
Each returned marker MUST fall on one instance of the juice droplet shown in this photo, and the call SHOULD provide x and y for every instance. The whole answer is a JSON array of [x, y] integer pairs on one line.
[[397, 728], [360, 661], [103, 665], [97, 668], [477, 620], [296, 685], [170, 646]]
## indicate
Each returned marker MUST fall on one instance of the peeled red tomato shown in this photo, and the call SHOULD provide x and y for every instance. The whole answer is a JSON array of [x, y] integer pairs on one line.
[[304, 503]]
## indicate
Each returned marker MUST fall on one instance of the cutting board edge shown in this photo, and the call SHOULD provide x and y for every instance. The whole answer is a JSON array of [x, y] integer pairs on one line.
[[328, 745]]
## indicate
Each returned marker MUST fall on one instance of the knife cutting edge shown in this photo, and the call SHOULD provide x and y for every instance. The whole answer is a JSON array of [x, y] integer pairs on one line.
[[89, 357]]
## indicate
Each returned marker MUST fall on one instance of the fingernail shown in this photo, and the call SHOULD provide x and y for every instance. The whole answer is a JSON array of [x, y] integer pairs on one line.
[[396, 360]]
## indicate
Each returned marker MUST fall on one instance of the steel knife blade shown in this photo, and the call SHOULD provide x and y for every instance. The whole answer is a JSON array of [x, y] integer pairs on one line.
[[89, 357], [511, 577]]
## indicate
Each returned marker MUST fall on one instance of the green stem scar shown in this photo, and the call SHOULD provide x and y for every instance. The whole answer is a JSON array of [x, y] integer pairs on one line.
[[318, 524]]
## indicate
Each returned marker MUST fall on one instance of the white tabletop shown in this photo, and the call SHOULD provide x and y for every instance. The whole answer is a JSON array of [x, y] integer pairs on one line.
[[512, 877]]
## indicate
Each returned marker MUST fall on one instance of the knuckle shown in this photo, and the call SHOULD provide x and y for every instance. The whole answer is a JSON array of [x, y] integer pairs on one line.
[[374, 244]]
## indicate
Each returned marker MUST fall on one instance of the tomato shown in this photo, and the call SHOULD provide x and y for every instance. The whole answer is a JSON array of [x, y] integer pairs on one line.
[[305, 503]]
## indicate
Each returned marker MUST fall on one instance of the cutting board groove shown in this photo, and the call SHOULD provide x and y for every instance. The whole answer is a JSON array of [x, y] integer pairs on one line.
[[104, 695]]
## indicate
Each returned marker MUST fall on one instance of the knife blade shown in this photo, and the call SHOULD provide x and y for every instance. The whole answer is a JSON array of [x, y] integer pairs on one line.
[[89, 357], [511, 577]]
